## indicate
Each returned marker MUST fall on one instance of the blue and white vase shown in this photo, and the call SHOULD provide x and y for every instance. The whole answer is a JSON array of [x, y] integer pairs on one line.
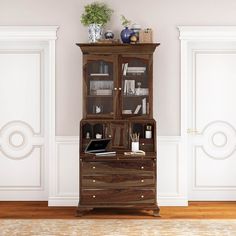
[[94, 32], [125, 35]]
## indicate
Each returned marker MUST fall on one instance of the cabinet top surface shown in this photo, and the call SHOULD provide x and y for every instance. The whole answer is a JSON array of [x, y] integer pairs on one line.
[[118, 47]]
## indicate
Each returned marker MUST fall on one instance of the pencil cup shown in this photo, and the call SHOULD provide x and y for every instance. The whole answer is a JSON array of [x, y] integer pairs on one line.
[[134, 146]]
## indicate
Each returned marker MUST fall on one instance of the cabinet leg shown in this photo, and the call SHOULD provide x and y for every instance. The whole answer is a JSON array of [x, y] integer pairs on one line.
[[156, 212], [81, 211]]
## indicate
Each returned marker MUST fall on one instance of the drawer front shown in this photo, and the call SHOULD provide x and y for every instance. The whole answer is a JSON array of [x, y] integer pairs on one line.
[[118, 196], [119, 167], [118, 181]]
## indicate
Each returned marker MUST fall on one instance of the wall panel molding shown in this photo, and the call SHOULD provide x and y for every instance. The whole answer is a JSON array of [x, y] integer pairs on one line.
[[27, 132]]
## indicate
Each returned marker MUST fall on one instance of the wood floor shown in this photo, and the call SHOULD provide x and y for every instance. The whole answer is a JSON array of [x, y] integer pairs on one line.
[[40, 210]]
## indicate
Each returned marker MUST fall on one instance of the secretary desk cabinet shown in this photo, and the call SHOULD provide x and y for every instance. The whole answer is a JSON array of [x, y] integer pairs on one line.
[[117, 102]]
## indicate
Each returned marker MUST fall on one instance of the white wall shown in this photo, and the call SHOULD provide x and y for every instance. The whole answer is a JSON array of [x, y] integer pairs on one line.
[[161, 15]]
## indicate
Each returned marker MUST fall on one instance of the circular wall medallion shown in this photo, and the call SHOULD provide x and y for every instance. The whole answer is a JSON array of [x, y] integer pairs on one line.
[[17, 139], [219, 140]]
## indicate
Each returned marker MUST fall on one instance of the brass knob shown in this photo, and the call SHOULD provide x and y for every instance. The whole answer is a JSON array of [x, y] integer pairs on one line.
[[115, 88], [142, 167], [94, 196], [142, 144], [142, 196], [120, 89], [94, 180], [94, 167], [142, 180], [109, 135]]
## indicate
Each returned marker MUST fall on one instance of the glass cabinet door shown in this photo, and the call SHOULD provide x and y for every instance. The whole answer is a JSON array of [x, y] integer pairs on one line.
[[99, 87], [136, 87]]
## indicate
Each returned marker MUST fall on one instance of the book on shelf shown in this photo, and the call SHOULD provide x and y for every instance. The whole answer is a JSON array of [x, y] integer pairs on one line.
[[128, 112], [99, 74], [137, 109], [138, 70], [103, 92], [125, 87], [144, 106], [125, 67]]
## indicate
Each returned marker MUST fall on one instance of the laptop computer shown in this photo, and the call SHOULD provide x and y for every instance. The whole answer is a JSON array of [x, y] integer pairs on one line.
[[98, 147]]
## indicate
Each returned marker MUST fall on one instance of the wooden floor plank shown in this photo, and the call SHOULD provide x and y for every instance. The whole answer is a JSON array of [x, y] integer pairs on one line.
[[40, 210]]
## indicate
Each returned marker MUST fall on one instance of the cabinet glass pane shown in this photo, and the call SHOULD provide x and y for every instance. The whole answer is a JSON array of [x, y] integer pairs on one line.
[[100, 86], [135, 87]]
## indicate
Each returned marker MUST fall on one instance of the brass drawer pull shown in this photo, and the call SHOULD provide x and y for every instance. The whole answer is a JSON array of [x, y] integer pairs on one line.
[[142, 180], [94, 180], [142, 167], [94, 196], [142, 144], [142, 196], [94, 167]]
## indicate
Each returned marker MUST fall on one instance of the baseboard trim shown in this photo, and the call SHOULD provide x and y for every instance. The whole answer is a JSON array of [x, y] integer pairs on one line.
[[63, 201], [165, 201]]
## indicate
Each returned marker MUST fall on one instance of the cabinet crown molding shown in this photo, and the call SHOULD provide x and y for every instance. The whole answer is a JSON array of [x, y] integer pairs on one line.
[[103, 48]]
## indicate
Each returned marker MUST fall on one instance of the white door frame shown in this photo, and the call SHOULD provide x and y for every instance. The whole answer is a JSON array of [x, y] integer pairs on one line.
[[188, 36], [15, 35]]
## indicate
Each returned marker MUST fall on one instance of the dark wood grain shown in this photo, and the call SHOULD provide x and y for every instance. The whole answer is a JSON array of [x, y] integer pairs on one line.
[[116, 196], [103, 49], [118, 180], [118, 167]]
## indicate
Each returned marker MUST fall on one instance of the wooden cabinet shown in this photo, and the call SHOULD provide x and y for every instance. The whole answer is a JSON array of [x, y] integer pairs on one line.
[[118, 100]]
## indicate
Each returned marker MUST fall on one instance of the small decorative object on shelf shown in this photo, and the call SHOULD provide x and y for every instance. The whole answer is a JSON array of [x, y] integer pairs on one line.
[[136, 29], [145, 36], [133, 39], [135, 142], [148, 132], [98, 136], [87, 135], [95, 16], [109, 34], [138, 89], [126, 33], [97, 109]]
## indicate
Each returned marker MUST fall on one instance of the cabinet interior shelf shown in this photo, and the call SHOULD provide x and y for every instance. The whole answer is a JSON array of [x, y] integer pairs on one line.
[[134, 96], [108, 77], [99, 96]]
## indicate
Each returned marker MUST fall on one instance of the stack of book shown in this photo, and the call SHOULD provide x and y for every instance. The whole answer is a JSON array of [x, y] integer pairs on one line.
[[136, 70], [133, 69], [103, 92]]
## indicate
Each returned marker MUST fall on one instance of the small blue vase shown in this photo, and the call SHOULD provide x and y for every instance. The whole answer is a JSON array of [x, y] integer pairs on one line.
[[125, 35]]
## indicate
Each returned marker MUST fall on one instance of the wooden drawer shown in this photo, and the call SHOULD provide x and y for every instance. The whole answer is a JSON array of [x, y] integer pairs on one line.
[[147, 145], [117, 167], [117, 196], [118, 181]]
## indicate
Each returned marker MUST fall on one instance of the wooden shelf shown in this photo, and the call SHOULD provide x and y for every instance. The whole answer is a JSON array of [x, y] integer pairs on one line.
[[134, 96], [99, 96]]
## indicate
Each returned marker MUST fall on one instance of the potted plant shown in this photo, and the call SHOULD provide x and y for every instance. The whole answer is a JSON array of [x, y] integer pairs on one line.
[[126, 33], [95, 16]]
